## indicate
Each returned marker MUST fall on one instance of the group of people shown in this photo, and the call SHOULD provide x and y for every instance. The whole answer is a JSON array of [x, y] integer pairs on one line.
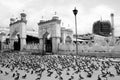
[[60, 67]]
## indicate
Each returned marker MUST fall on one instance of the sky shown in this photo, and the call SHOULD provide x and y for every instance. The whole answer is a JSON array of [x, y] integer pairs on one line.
[[89, 11]]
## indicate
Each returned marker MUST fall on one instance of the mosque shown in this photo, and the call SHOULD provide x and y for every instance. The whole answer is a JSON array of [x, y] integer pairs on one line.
[[50, 34], [53, 37]]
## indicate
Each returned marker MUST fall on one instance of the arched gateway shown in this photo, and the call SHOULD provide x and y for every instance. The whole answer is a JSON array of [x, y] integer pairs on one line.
[[49, 34], [18, 32]]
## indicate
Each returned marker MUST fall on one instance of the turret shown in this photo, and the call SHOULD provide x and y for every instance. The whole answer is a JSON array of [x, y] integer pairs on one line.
[[55, 17], [112, 23], [23, 17], [12, 20]]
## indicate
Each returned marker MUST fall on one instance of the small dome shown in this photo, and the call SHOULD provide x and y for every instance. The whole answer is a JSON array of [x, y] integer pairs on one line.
[[55, 17], [23, 15], [12, 19], [112, 14], [42, 20]]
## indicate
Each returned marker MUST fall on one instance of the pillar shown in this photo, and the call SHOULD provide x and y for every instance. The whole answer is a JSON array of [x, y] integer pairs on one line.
[[55, 42], [41, 44], [112, 23], [12, 44], [22, 43]]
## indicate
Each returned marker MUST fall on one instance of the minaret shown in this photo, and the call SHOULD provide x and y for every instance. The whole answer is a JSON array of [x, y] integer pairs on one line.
[[12, 20], [112, 23], [23, 17], [23, 30]]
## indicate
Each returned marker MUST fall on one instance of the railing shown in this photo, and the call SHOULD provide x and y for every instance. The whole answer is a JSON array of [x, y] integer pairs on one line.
[[35, 47], [90, 47], [71, 47], [5, 47]]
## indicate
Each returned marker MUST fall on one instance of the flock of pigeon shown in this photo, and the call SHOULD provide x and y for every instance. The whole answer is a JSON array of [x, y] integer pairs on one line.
[[16, 66]]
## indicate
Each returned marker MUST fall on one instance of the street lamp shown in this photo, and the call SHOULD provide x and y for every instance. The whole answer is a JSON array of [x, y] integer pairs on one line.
[[75, 11]]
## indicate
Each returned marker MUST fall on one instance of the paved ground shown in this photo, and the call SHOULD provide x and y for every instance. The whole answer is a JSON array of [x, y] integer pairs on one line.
[[94, 65]]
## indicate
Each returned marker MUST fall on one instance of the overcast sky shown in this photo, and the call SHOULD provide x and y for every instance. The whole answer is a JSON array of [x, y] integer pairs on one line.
[[89, 11]]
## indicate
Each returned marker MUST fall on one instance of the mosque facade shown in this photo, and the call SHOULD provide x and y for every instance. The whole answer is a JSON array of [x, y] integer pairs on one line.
[[53, 38], [50, 34]]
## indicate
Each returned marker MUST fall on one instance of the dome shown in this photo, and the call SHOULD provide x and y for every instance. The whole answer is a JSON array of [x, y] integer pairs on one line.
[[12, 19], [23, 15], [55, 17], [42, 20]]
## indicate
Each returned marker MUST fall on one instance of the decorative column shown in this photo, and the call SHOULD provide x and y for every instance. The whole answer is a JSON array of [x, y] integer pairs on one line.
[[22, 43], [23, 31], [12, 44], [55, 44], [41, 44]]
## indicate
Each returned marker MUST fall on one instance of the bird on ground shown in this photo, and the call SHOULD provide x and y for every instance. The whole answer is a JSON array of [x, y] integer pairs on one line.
[[67, 73], [77, 71], [99, 78], [89, 75], [13, 75], [38, 78], [1, 71], [32, 72], [16, 78], [60, 78], [110, 74], [23, 77], [81, 76], [6, 73], [72, 77], [49, 74], [56, 77]]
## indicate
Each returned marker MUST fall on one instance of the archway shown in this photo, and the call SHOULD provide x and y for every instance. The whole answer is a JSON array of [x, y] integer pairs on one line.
[[0, 45], [17, 43], [15, 36], [68, 39], [47, 40], [18, 26]]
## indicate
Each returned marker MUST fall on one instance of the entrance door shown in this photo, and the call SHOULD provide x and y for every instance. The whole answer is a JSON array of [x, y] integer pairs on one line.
[[17, 45], [0, 45], [48, 45]]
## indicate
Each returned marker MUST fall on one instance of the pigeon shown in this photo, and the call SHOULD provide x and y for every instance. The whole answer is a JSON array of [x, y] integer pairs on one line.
[[99, 78], [81, 76], [6, 73], [32, 72], [1, 71], [89, 75], [13, 75], [50, 73], [38, 78], [56, 77], [60, 78], [67, 73], [16, 78], [23, 77]]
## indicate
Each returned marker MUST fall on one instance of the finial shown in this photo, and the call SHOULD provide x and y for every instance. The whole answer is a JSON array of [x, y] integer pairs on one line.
[[23, 11], [62, 24], [100, 18], [112, 14], [55, 13], [42, 17], [68, 25]]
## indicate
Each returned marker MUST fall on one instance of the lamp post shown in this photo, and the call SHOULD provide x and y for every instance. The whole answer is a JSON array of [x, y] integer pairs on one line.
[[75, 11]]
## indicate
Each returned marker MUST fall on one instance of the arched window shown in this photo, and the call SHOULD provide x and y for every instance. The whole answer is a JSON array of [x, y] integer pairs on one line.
[[68, 39]]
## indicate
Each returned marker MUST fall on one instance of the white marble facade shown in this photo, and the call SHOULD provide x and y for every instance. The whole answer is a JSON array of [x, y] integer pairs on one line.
[[18, 27], [55, 31]]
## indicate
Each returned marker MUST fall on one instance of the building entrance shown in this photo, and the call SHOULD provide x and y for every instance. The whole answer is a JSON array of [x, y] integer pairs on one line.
[[17, 45], [48, 45]]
